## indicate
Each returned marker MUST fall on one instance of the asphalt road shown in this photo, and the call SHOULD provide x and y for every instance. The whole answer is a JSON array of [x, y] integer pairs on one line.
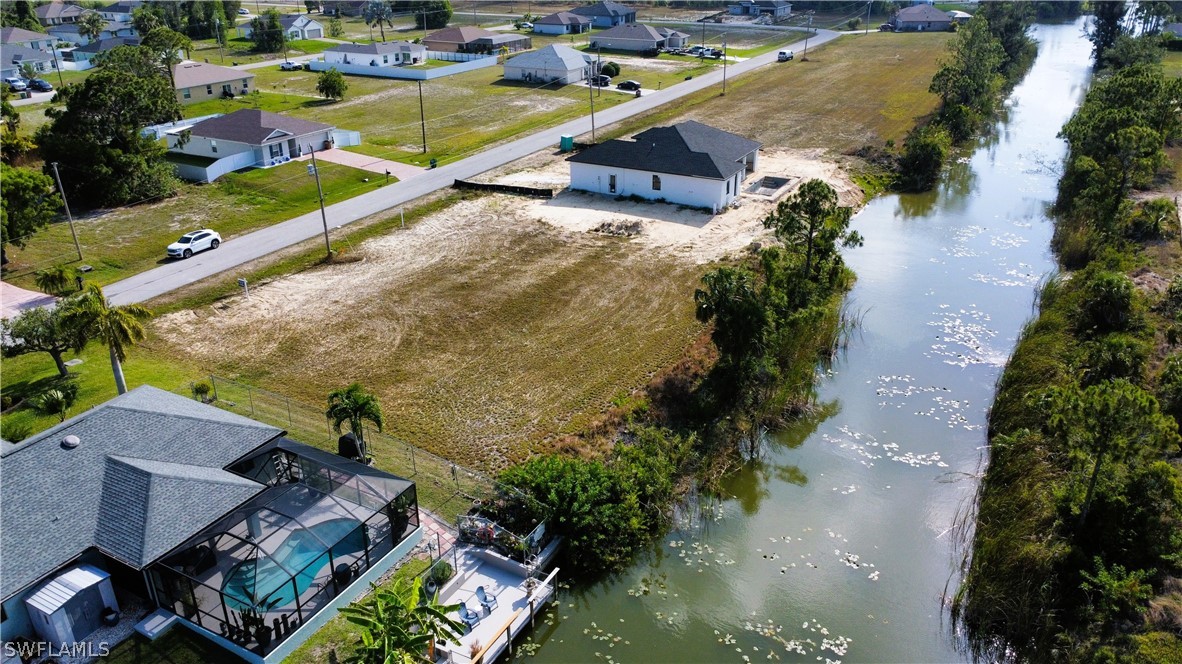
[[245, 248]]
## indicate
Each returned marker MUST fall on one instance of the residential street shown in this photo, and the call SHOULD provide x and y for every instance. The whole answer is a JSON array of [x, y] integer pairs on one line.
[[245, 248]]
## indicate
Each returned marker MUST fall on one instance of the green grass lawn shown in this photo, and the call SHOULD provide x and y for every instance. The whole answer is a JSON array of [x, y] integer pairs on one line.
[[28, 375], [275, 101], [1171, 62], [126, 241], [241, 51]]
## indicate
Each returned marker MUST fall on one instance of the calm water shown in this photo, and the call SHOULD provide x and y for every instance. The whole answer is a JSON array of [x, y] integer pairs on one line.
[[839, 541]]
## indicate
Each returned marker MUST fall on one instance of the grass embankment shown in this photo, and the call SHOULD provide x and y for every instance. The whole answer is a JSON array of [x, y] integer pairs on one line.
[[126, 241], [1079, 523]]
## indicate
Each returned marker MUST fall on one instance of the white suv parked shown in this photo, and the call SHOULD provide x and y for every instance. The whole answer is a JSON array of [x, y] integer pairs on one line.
[[191, 243]]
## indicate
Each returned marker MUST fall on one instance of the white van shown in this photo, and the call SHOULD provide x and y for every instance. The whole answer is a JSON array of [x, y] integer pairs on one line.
[[784, 56]]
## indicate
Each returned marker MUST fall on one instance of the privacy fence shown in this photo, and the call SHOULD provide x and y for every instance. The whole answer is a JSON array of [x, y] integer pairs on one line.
[[410, 73]]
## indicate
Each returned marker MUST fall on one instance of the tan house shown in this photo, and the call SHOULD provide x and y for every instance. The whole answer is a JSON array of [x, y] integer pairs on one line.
[[469, 39], [199, 81]]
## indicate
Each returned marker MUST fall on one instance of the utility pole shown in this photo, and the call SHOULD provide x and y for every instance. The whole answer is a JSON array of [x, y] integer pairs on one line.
[[69, 217], [808, 32], [217, 24], [702, 53], [320, 193], [61, 83], [598, 65], [422, 117], [724, 64], [591, 95], [867, 30]]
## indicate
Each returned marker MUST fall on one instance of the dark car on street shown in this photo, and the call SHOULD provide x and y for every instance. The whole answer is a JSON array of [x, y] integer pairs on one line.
[[628, 85], [40, 85]]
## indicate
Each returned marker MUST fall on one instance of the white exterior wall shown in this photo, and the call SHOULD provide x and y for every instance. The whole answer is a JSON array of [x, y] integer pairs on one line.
[[680, 189], [382, 60], [625, 44], [542, 74], [565, 29], [201, 146]]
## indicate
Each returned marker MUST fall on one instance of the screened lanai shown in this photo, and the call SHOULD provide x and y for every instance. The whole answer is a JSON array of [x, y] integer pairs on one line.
[[265, 568]]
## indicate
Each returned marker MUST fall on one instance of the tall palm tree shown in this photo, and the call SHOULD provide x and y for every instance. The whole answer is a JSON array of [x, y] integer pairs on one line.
[[400, 624], [93, 318], [380, 13], [354, 405], [92, 25]]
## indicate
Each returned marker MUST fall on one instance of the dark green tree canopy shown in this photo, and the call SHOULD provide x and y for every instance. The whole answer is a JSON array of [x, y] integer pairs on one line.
[[429, 14], [96, 137], [39, 330], [266, 32], [332, 84], [28, 202], [1107, 24]]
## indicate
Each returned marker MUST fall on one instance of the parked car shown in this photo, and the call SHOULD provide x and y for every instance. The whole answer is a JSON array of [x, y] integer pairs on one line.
[[243, 11], [602, 80], [694, 50], [40, 85], [526, 25], [192, 242], [628, 85], [15, 83], [288, 65], [785, 56]]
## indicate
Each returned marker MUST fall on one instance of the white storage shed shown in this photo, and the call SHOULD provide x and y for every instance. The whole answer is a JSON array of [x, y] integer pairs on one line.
[[70, 606]]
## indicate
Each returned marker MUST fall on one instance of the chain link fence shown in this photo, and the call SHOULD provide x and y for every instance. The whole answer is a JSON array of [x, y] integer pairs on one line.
[[444, 488]]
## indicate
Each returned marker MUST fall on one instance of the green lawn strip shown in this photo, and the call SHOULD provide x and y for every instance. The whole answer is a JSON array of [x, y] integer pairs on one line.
[[340, 635], [178, 646], [275, 102], [130, 240], [32, 117], [28, 375], [303, 83], [1171, 62]]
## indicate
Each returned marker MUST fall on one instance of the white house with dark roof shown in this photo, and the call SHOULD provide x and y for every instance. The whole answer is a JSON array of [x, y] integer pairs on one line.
[[16, 57], [247, 138], [120, 11], [552, 64], [636, 37], [83, 56], [199, 81], [562, 23], [154, 504], [27, 38], [606, 14], [377, 54], [71, 32], [775, 8], [296, 26], [689, 164], [921, 18]]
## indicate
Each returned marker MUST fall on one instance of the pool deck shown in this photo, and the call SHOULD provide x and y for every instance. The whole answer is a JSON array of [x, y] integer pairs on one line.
[[513, 611]]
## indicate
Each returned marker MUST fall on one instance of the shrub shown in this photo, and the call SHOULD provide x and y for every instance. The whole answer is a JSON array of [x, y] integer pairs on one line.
[[1107, 304], [201, 390], [1151, 220], [1115, 593], [853, 23], [924, 152], [1116, 356], [1169, 386], [610, 69]]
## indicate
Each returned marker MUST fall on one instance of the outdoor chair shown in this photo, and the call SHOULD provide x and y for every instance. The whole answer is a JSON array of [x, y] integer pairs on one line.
[[486, 600], [468, 616]]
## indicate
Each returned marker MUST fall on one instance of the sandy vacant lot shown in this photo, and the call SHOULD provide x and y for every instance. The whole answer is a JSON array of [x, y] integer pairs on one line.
[[494, 326]]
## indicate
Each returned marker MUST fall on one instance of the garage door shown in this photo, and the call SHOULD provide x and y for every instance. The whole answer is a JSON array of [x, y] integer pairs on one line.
[[315, 33]]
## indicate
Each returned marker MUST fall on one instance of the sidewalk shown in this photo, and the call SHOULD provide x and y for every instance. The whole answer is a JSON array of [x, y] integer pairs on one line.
[[366, 163]]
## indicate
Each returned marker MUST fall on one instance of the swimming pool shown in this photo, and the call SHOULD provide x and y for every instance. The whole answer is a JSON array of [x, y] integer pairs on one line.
[[303, 552]]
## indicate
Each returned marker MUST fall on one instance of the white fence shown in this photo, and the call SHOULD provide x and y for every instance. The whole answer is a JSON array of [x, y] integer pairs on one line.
[[157, 131], [234, 162], [343, 138], [406, 73]]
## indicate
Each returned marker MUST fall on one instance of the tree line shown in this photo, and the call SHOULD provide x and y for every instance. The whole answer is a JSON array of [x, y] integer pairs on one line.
[[1078, 544]]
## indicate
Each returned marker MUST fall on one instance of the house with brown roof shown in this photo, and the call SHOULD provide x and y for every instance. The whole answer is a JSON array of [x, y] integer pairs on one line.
[[199, 81], [57, 13], [469, 39], [247, 138]]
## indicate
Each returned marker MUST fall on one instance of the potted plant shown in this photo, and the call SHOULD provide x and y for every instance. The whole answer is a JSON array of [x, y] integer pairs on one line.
[[201, 390]]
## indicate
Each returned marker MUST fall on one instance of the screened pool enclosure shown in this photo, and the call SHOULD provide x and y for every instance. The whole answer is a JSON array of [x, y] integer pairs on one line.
[[265, 568]]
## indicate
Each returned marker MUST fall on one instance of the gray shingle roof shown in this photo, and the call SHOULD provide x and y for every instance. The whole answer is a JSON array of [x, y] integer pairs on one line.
[[377, 48], [104, 45], [687, 148], [20, 36], [924, 12], [555, 56], [631, 31], [459, 35], [15, 55], [195, 74], [254, 127], [57, 10], [562, 18], [606, 8], [147, 474]]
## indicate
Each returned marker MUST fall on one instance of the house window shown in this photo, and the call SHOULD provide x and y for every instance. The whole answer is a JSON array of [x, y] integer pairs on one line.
[[276, 150], [213, 146], [656, 183], [209, 89], [187, 94], [245, 83], [611, 183], [728, 187]]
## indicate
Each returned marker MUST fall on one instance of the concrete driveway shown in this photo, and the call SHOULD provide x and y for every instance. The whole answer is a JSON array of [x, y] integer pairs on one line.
[[366, 163], [14, 300]]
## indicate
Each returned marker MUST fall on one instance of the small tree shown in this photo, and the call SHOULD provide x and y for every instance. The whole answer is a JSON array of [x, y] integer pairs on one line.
[[28, 202], [610, 69], [923, 156], [336, 29], [266, 32], [92, 25], [400, 624], [811, 221], [332, 84], [166, 46], [39, 330], [55, 401], [379, 13], [91, 317], [355, 406], [429, 14], [53, 280]]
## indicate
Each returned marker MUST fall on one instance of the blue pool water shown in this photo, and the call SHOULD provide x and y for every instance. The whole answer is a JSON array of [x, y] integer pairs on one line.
[[303, 552]]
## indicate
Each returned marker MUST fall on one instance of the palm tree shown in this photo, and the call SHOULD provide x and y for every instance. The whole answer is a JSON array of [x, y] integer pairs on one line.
[[53, 280], [92, 25], [93, 317], [354, 405], [400, 624], [380, 13]]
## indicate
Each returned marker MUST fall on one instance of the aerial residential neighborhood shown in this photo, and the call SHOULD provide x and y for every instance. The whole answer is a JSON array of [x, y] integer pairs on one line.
[[473, 330]]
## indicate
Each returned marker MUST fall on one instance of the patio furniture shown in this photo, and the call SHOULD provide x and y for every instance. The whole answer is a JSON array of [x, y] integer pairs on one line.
[[468, 616], [486, 600]]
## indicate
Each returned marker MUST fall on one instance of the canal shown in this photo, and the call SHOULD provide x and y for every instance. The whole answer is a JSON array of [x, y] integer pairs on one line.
[[839, 542]]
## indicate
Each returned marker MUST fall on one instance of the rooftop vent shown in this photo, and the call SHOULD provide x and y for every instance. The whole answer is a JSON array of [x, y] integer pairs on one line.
[[71, 441]]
